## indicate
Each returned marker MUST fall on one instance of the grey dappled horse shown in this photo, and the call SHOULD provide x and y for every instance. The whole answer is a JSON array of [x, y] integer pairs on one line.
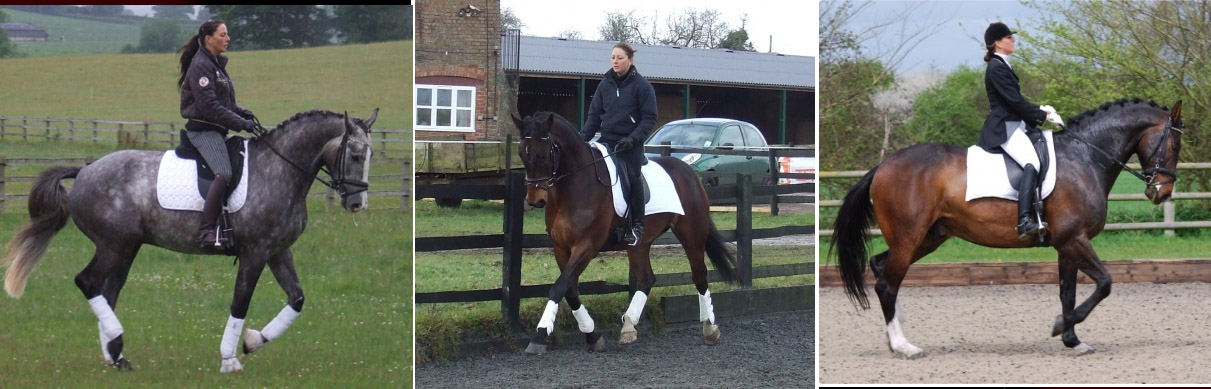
[[114, 204]]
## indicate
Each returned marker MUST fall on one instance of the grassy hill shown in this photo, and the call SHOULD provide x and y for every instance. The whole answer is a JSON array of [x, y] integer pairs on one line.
[[81, 37], [273, 83]]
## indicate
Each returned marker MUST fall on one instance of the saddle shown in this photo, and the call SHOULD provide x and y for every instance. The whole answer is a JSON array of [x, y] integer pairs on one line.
[[626, 183], [235, 153], [1015, 171]]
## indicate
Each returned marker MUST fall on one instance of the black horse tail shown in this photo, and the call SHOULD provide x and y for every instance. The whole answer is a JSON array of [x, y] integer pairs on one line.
[[722, 256], [48, 214], [850, 236]]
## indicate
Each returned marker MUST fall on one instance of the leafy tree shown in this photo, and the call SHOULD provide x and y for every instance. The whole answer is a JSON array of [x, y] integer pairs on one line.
[[158, 35], [7, 48], [509, 20], [736, 40], [624, 27], [951, 112], [275, 26], [694, 28], [374, 23], [102, 10], [179, 12]]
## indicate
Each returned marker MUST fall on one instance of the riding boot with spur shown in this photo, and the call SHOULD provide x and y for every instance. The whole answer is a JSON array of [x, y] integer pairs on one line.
[[208, 236], [1027, 226], [635, 233]]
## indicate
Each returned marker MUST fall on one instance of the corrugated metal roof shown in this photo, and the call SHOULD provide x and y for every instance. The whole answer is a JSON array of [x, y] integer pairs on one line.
[[554, 56], [19, 27]]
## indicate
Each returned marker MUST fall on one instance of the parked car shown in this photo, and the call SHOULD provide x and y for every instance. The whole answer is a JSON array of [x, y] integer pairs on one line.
[[714, 134]]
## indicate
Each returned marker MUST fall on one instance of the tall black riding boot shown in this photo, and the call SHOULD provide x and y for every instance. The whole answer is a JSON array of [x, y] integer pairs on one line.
[[636, 206], [1027, 226], [208, 236]]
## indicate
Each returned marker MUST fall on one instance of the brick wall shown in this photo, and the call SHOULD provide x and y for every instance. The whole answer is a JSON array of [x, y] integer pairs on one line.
[[467, 47]]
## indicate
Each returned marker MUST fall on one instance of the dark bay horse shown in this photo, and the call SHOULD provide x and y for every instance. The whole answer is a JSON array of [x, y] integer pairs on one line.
[[564, 175], [113, 202], [917, 197]]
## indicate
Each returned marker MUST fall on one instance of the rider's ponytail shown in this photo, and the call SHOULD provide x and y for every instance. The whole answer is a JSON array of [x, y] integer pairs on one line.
[[195, 43], [988, 56]]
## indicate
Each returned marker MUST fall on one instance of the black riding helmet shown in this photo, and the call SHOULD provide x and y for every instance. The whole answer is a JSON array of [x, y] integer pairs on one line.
[[995, 32]]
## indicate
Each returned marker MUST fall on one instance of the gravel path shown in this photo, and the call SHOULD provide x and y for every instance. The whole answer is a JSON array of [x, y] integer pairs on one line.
[[1143, 333], [768, 351]]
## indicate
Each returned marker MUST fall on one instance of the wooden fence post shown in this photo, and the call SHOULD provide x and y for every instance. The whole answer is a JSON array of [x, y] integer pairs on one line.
[[1170, 215], [71, 130], [2, 130], [94, 131], [146, 133], [774, 168], [510, 290], [48, 129], [331, 197], [667, 150], [3, 178], [744, 229], [24, 130], [405, 200]]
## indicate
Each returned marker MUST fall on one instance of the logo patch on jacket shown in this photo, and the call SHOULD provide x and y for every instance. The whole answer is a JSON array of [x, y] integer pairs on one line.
[[203, 82]]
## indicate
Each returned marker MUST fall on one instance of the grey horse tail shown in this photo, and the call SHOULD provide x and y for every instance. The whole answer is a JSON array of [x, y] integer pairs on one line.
[[48, 214]]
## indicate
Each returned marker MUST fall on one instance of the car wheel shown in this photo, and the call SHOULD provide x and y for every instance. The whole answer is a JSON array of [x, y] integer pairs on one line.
[[710, 182]]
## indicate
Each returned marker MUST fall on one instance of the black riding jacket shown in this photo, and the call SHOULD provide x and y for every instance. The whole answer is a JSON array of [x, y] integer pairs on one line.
[[1006, 104], [208, 95], [622, 106]]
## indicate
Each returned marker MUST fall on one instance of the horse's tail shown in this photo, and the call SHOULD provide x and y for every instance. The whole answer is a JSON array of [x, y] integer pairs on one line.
[[722, 256], [849, 238], [48, 214]]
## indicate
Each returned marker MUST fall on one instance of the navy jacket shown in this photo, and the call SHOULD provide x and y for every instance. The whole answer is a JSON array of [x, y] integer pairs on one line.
[[1006, 104], [208, 94], [622, 106]]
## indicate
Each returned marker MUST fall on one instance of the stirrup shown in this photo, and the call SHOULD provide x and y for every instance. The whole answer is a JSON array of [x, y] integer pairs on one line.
[[1027, 227]]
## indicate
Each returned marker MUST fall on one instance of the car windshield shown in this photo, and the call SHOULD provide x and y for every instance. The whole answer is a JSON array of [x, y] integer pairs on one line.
[[685, 135]]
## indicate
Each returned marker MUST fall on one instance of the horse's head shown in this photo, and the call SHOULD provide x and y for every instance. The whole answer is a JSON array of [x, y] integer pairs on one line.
[[1157, 150], [540, 154], [348, 161]]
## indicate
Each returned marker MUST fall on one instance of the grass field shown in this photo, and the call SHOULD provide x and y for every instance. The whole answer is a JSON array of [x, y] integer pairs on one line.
[[81, 37]]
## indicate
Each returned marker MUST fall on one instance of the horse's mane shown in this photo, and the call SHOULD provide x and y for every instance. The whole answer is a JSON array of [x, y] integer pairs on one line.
[[1075, 122], [308, 115], [542, 116]]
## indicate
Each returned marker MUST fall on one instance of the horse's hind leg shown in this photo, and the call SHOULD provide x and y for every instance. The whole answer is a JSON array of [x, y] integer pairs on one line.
[[695, 251], [101, 281], [890, 267], [641, 267], [282, 267], [1074, 256]]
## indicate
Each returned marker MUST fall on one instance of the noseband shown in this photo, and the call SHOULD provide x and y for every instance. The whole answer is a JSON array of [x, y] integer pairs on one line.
[[340, 183]]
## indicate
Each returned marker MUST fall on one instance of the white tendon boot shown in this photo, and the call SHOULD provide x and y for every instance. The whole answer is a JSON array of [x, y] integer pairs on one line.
[[254, 339], [631, 318], [108, 326], [706, 314], [231, 337]]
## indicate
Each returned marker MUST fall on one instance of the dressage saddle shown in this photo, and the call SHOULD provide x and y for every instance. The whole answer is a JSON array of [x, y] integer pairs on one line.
[[235, 152]]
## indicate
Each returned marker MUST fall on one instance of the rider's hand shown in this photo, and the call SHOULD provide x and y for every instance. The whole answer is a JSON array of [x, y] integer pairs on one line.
[[249, 125], [1048, 109], [1055, 118], [624, 144]]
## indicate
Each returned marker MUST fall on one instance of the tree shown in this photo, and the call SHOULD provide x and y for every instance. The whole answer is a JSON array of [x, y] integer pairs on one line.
[[203, 14], [570, 34], [1091, 53], [950, 112], [509, 20], [7, 48], [158, 35], [275, 26], [624, 27], [736, 40], [693, 28], [102, 10], [373, 23], [179, 12]]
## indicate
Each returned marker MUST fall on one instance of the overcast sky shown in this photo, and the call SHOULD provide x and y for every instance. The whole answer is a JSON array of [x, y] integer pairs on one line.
[[794, 25], [959, 41]]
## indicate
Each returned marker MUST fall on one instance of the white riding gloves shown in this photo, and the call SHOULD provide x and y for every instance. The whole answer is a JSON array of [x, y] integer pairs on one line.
[[1052, 116]]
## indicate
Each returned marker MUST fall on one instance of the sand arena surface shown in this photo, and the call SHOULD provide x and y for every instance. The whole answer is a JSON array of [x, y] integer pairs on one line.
[[1143, 333]]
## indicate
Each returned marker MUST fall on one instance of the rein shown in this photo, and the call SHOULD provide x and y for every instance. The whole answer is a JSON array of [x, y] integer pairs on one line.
[[552, 178], [339, 182], [1149, 174]]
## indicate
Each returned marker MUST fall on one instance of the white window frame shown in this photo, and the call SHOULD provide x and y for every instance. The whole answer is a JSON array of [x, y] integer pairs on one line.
[[433, 108]]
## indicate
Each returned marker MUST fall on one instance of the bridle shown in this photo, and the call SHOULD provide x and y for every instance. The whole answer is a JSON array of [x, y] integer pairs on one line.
[[1149, 175], [343, 185], [554, 176]]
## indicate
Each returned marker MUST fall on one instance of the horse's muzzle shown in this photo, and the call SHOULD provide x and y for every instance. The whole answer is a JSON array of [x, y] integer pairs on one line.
[[539, 204]]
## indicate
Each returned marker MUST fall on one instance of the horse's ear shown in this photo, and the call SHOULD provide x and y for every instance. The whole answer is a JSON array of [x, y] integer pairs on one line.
[[549, 123], [370, 121], [516, 121], [349, 127], [1176, 114]]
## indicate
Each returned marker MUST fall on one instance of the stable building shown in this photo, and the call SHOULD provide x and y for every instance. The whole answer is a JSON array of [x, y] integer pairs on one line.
[[775, 92], [21, 32]]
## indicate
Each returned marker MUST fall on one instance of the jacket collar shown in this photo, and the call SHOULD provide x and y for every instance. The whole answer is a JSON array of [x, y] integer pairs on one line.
[[221, 60], [610, 75]]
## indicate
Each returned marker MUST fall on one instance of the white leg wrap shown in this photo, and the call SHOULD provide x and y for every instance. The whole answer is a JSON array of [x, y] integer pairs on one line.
[[636, 308], [231, 337], [583, 319], [706, 311], [278, 326], [110, 327], [548, 316], [105, 344]]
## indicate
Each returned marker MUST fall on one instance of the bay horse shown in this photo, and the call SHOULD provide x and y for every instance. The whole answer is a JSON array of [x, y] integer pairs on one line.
[[567, 178], [917, 197], [113, 202]]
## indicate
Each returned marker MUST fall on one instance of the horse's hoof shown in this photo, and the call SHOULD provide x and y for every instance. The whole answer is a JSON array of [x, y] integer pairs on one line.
[[915, 356], [1057, 327], [231, 365], [536, 349], [253, 340], [627, 337], [123, 365], [1082, 349], [598, 345], [710, 333], [910, 352]]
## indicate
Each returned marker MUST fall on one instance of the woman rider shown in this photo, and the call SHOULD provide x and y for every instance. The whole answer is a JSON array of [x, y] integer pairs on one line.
[[1009, 118], [623, 110], [208, 101]]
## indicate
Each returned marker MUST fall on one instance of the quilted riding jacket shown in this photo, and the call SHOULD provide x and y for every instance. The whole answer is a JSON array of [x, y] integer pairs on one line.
[[208, 96], [622, 106]]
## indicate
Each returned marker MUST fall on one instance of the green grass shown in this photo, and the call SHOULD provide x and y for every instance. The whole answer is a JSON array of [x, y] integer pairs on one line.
[[356, 325], [82, 37]]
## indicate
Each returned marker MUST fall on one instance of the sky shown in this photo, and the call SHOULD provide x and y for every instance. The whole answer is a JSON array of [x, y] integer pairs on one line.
[[959, 40], [794, 25]]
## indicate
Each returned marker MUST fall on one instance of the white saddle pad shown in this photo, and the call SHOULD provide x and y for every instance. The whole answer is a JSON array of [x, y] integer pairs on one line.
[[987, 177], [177, 184], [662, 195]]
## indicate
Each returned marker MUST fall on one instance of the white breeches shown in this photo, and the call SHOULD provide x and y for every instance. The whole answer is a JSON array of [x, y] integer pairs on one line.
[[1018, 146]]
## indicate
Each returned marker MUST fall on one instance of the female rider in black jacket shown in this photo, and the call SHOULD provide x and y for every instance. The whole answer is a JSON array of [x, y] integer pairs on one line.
[[624, 111], [208, 101]]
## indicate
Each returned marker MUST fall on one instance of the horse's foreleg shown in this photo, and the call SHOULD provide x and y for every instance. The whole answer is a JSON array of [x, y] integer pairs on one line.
[[584, 320], [282, 267], [245, 284], [644, 280], [1074, 256], [575, 261]]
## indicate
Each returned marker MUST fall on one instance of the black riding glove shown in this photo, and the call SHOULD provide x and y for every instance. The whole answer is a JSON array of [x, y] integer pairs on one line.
[[624, 144], [249, 125]]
